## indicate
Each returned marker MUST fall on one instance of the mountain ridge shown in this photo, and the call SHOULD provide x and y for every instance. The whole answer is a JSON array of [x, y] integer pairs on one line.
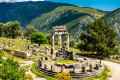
[[73, 18], [43, 15], [24, 12]]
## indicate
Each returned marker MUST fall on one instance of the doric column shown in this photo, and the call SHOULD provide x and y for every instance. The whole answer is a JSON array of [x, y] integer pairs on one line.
[[67, 41], [52, 46], [59, 41]]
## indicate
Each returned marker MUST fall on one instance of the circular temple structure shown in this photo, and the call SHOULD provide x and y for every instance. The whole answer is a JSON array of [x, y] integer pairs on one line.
[[82, 68]]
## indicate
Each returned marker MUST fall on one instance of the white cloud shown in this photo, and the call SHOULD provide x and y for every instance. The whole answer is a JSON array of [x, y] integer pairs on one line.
[[18, 0]]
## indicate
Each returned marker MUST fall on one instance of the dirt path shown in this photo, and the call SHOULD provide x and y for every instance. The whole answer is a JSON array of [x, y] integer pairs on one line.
[[114, 67], [25, 63]]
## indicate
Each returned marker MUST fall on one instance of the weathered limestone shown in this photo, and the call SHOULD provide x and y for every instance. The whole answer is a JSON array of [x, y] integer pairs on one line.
[[67, 41], [40, 63], [52, 46], [42, 58], [59, 41], [59, 30], [52, 68], [45, 66], [23, 54], [47, 49], [28, 47], [62, 69], [91, 68], [46, 58], [84, 69], [74, 69], [97, 66], [9, 45]]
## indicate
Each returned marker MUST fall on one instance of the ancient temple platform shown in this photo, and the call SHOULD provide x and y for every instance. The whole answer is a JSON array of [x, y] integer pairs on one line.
[[81, 68]]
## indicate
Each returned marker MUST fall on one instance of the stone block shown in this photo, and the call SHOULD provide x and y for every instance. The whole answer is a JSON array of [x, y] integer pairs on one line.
[[84, 69]]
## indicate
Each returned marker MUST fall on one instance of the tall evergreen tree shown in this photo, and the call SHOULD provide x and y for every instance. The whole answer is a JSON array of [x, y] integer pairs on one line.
[[100, 38]]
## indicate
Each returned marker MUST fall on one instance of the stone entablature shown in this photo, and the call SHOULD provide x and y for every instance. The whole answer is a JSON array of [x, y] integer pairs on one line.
[[59, 28]]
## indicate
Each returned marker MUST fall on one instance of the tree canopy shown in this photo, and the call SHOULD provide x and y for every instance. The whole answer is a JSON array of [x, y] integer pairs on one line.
[[12, 29], [10, 70], [38, 37], [29, 30], [100, 38]]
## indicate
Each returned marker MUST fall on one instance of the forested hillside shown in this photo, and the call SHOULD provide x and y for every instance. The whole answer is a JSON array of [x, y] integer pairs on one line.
[[74, 18], [24, 12], [113, 18], [43, 15]]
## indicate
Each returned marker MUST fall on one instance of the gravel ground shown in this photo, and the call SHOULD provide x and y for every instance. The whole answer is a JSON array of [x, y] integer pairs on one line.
[[29, 72]]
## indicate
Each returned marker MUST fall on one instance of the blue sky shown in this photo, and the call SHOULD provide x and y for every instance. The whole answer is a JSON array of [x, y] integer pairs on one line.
[[107, 5]]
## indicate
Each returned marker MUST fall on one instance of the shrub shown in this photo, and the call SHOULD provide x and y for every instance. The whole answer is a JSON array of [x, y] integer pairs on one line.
[[63, 76], [38, 37]]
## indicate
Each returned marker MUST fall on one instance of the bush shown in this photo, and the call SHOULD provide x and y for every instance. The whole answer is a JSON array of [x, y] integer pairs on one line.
[[10, 70], [72, 42], [77, 45], [1, 56], [63, 76], [38, 37]]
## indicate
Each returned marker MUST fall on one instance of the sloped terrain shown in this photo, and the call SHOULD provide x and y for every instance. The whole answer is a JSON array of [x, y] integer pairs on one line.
[[113, 18], [24, 12], [74, 18]]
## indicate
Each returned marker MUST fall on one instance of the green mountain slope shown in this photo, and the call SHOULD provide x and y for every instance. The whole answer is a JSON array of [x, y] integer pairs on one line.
[[113, 18], [25, 12], [74, 18]]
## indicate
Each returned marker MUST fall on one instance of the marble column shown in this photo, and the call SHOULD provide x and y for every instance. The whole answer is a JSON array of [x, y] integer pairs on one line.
[[59, 41], [52, 46], [67, 41]]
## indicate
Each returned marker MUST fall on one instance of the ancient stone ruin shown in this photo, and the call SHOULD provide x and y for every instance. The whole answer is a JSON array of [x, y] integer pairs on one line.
[[82, 68], [23, 54], [62, 51]]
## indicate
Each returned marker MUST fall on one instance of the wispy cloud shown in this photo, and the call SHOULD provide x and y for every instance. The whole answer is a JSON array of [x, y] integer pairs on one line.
[[18, 0]]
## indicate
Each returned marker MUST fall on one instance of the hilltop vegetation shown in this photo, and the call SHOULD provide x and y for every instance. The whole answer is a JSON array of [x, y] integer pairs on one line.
[[44, 15], [74, 18], [113, 18], [25, 12]]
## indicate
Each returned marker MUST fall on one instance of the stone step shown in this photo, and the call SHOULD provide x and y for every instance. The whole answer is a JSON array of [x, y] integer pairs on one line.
[[73, 75]]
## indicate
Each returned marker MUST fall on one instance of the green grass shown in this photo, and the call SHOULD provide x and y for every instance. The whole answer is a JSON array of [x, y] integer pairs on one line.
[[7, 55], [17, 41], [107, 59], [16, 48], [27, 67], [33, 70], [65, 61], [76, 51], [55, 46]]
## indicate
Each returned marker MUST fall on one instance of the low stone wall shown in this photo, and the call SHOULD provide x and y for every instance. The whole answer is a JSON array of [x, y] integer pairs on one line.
[[7, 50], [82, 74], [82, 70], [23, 54]]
